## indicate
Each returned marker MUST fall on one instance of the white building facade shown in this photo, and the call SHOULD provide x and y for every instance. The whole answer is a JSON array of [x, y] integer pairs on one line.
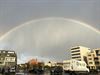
[[79, 53]]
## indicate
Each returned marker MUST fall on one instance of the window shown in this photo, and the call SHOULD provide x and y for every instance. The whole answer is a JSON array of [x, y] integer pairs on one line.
[[76, 57], [89, 55], [75, 51], [90, 63], [12, 52], [12, 59], [1, 62], [98, 52], [76, 54], [97, 63], [96, 58], [90, 58], [93, 55], [75, 48]]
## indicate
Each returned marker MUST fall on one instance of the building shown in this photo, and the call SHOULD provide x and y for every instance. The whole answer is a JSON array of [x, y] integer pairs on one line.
[[97, 58], [8, 59], [90, 60], [79, 53], [91, 57], [51, 63], [94, 59], [75, 65]]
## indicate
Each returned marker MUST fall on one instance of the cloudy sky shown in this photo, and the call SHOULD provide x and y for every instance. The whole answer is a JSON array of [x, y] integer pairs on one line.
[[13, 13], [16, 12]]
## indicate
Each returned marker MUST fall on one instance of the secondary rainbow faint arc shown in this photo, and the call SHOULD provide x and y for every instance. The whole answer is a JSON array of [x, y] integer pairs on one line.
[[71, 20]]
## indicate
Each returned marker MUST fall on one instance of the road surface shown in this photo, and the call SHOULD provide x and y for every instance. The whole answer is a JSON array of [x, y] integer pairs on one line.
[[44, 74]]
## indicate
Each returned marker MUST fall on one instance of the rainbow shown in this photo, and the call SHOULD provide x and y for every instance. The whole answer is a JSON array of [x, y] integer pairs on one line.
[[71, 20]]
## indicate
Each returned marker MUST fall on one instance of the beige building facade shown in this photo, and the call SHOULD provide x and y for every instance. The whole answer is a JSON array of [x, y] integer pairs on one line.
[[91, 57], [79, 53], [94, 59], [90, 60]]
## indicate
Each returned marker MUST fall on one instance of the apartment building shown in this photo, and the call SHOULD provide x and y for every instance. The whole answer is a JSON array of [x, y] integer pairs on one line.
[[8, 59], [94, 59], [90, 60], [97, 58], [80, 53], [91, 57]]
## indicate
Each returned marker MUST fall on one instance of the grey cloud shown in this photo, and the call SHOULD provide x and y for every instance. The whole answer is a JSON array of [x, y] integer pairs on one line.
[[15, 12], [49, 38]]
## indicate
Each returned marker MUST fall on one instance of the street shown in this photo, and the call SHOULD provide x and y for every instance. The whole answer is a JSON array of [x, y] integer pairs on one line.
[[45, 74], [50, 74]]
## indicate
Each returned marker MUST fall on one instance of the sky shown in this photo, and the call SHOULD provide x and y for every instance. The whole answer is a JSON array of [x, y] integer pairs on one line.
[[14, 13]]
